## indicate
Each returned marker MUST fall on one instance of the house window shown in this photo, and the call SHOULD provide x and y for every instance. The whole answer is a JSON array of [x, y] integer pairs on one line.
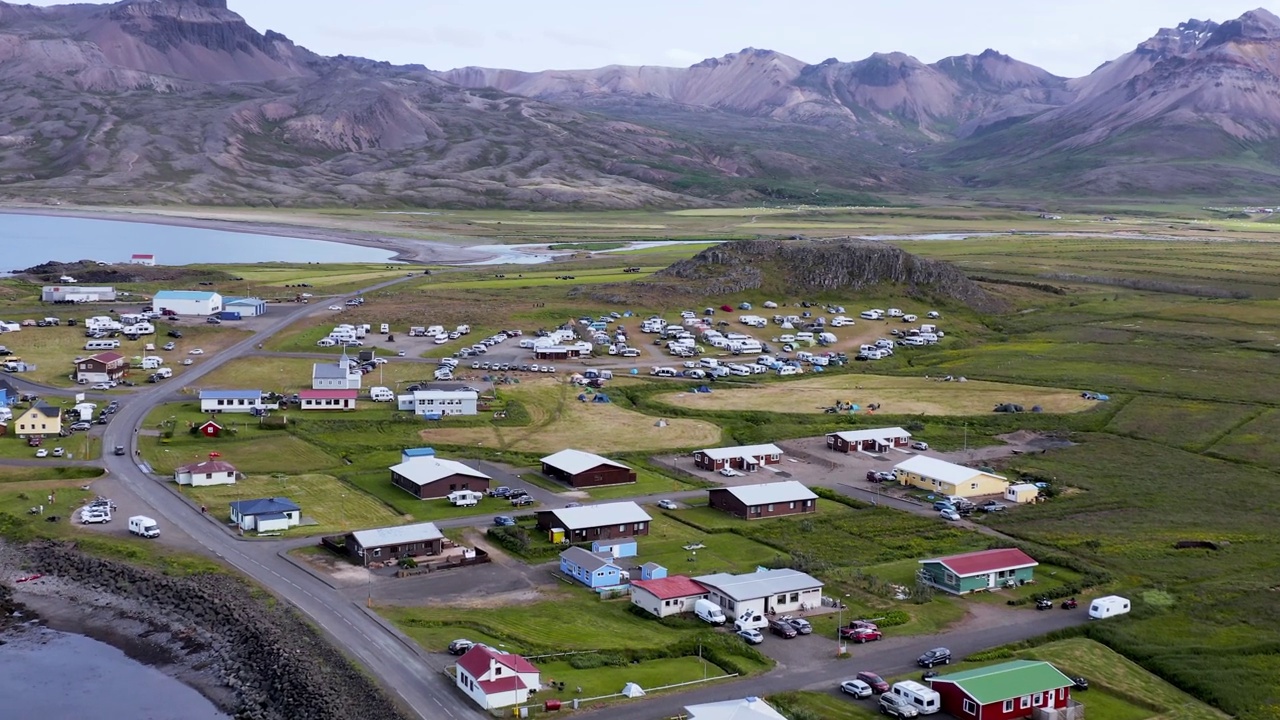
[[1037, 699], [973, 486], [970, 707], [622, 528], [377, 552], [1008, 706], [1024, 702], [795, 597], [791, 506], [950, 578], [782, 598], [770, 507], [1062, 693]]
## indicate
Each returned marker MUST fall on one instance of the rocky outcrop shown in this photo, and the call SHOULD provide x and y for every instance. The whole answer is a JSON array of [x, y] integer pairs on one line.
[[276, 666], [795, 268]]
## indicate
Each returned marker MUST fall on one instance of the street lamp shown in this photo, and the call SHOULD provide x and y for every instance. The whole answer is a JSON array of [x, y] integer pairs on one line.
[[841, 648]]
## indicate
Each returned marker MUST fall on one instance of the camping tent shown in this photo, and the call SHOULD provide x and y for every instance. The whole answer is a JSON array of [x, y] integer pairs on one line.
[[702, 389], [632, 690], [601, 398]]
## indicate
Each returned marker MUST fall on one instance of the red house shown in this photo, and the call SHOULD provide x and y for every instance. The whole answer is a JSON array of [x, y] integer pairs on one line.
[[1003, 692], [210, 429]]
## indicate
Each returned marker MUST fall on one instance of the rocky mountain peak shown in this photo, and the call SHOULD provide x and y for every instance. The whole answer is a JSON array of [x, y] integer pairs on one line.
[[1254, 26]]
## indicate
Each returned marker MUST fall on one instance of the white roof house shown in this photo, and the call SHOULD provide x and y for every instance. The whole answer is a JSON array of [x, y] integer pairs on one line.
[[940, 470], [760, 584], [577, 461], [590, 516], [751, 708], [426, 470], [882, 434], [402, 535], [766, 493], [753, 451]]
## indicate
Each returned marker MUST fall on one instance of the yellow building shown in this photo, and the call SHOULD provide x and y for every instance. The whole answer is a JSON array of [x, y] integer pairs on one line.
[[944, 478], [39, 420]]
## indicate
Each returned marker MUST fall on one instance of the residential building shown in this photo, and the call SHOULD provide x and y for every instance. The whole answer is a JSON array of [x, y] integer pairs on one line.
[[328, 399], [340, 375], [976, 571], [392, 543], [266, 514], [872, 440], [593, 569], [1007, 691], [584, 469], [495, 679], [39, 419], [752, 502], [241, 401], [1022, 493], [746, 457], [101, 368], [597, 522], [944, 478], [440, 402], [142, 259], [209, 472], [667, 596], [751, 708], [76, 294], [187, 302], [758, 593], [433, 477], [246, 306]]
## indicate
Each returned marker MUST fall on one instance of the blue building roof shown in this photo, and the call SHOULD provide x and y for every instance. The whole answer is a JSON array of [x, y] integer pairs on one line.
[[265, 506], [230, 394], [418, 452], [185, 295]]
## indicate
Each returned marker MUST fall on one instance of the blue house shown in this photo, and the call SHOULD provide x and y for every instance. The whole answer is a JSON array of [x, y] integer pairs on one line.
[[266, 514], [595, 570], [8, 394], [618, 547], [652, 571], [410, 453]]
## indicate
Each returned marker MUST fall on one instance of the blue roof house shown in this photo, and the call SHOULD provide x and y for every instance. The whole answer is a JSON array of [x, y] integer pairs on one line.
[[266, 514], [595, 570]]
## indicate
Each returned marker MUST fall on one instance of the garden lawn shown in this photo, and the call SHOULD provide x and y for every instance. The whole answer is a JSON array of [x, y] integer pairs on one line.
[[723, 552], [53, 472], [333, 505], [278, 452], [377, 484], [809, 705], [80, 446], [289, 375], [647, 483], [596, 682]]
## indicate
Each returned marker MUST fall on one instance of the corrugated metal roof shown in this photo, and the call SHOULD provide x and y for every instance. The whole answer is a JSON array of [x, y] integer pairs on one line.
[[871, 434], [760, 584], [186, 295], [766, 493], [589, 516], [576, 461], [742, 451], [425, 470], [330, 371], [985, 561], [936, 469], [418, 532], [1013, 679]]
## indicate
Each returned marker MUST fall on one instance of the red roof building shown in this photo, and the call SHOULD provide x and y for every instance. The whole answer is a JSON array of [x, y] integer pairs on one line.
[[328, 399], [979, 571], [101, 368], [209, 472], [210, 429], [667, 596], [496, 679]]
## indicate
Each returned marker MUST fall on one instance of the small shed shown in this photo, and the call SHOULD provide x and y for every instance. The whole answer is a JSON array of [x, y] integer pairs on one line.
[[1022, 493], [210, 429], [652, 571], [617, 548]]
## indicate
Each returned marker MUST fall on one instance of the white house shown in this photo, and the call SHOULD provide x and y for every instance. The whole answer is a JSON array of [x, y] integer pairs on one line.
[[781, 591], [440, 402], [188, 302], [342, 375], [667, 596], [142, 259], [242, 401], [750, 708], [209, 472], [495, 679], [266, 514]]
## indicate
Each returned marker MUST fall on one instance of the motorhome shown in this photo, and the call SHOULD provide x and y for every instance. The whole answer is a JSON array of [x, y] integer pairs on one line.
[[463, 329], [417, 331], [434, 330], [742, 347], [928, 328], [381, 394], [144, 526]]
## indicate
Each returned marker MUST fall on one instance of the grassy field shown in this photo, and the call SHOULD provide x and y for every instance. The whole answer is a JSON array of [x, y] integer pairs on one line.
[[596, 682], [896, 395], [53, 472], [377, 484], [261, 454], [78, 446], [1251, 442], [1189, 424], [332, 505], [559, 420], [289, 375]]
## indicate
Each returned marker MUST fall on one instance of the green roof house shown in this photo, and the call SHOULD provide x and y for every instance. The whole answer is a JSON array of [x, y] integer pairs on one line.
[[1007, 691]]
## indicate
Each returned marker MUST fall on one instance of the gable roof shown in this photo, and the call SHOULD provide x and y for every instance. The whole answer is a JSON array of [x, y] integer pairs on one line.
[[742, 451], [589, 516], [942, 470], [985, 561], [230, 394], [588, 560], [47, 410], [330, 371], [106, 358], [996, 683], [417, 532], [766, 493], [209, 422], [264, 506], [871, 434], [425, 470], [668, 588], [476, 661], [208, 466], [576, 461], [328, 394], [751, 708], [186, 295], [759, 584]]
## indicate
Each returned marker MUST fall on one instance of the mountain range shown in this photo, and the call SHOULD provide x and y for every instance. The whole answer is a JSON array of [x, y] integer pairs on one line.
[[161, 101]]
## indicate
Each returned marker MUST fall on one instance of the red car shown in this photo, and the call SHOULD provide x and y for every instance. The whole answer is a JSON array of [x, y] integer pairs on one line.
[[861, 635], [876, 682]]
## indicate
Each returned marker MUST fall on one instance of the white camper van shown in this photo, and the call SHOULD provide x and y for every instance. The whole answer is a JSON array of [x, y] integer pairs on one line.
[[708, 611], [381, 394], [923, 699], [144, 526], [1109, 606]]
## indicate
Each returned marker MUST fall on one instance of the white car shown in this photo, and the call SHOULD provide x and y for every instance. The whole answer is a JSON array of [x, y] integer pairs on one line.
[[94, 517], [380, 361], [335, 307], [196, 351], [101, 386], [668, 504], [949, 514], [730, 472], [58, 452], [188, 361], [42, 453], [856, 688], [919, 445]]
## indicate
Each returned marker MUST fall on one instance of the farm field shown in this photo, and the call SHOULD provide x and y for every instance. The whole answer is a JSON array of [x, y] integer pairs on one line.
[[1252, 442], [1189, 424], [328, 504], [559, 420], [896, 396]]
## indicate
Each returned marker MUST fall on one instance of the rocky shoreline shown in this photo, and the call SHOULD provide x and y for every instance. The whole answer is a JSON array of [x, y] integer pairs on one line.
[[255, 659]]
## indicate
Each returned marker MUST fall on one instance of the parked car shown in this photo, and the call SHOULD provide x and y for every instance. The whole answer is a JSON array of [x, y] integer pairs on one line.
[[58, 452], [782, 629], [801, 625], [856, 688], [1079, 683], [729, 472], [169, 345], [195, 351], [100, 386], [936, 656], [876, 682], [518, 492], [504, 521], [861, 635], [500, 492], [94, 517], [752, 637], [919, 445], [950, 514], [668, 504], [943, 505], [895, 706], [993, 506], [42, 452], [174, 334], [521, 501], [80, 427], [460, 646], [863, 624]]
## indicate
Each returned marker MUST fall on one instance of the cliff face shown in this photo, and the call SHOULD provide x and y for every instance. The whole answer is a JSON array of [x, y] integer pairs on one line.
[[796, 268]]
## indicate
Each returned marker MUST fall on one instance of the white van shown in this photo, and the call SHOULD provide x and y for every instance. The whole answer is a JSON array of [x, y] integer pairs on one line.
[[381, 394], [164, 372], [1109, 606], [144, 526], [384, 328], [709, 612], [923, 699], [102, 345]]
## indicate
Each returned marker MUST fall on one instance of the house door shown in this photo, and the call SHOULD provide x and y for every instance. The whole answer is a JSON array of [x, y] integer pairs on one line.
[[991, 580]]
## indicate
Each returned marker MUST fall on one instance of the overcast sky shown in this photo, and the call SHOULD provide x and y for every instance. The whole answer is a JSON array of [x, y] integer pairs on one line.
[[1066, 37]]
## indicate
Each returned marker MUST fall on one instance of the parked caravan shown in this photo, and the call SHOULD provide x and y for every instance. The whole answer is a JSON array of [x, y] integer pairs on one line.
[[384, 328], [144, 526], [709, 612], [102, 345], [872, 314], [923, 699], [164, 373], [750, 620], [465, 498], [827, 338], [1109, 606], [381, 394], [894, 312]]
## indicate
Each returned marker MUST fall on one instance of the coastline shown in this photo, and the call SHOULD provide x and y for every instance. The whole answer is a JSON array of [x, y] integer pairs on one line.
[[416, 252]]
